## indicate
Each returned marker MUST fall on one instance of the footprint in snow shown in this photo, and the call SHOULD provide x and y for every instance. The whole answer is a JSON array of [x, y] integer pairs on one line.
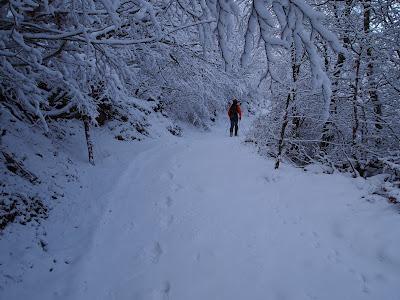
[[364, 283], [166, 288], [266, 179], [169, 201], [317, 245], [162, 293], [176, 165], [277, 211], [167, 176], [177, 187], [166, 221], [156, 253], [334, 256], [275, 178]]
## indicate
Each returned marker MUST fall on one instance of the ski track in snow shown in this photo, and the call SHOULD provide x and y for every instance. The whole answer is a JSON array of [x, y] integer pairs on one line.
[[204, 217], [215, 221]]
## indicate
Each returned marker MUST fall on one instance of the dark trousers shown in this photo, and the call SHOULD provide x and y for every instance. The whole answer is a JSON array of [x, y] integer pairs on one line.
[[234, 124]]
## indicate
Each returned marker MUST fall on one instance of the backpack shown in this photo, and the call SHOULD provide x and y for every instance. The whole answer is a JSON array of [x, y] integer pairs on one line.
[[233, 110]]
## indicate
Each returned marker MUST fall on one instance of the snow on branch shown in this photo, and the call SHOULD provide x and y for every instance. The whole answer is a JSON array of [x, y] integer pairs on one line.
[[282, 23], [81, 48]]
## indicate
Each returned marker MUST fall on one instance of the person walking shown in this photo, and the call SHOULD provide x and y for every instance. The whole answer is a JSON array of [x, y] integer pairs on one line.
[[235, 114]]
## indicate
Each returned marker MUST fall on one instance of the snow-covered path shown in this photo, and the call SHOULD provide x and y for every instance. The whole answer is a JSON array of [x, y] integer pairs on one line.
[[204, 217]]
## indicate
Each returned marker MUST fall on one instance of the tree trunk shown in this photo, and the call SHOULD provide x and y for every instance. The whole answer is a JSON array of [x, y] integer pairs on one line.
[[373, 95], [328, 133], [290, 98], [356, 123], [89, 142], [282, 132], [354, 101]]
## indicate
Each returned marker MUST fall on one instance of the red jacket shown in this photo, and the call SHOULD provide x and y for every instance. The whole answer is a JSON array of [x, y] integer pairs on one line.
[[238, 111]]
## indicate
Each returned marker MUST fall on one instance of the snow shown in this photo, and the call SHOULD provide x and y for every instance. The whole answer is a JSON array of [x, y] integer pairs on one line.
[[205, 217]]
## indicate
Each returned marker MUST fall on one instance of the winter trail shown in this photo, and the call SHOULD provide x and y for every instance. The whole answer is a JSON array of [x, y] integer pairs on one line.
[[204, 217]]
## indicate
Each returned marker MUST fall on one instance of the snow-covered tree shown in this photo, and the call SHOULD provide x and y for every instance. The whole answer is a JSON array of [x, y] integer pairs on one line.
[[65, 58], [361, 132]]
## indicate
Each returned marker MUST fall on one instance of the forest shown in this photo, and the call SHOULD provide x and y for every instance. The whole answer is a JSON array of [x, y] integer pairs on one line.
[[318, 81]]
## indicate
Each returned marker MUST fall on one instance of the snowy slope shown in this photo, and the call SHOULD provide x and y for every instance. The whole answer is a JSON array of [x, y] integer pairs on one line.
[[204, 217], [37, 255]]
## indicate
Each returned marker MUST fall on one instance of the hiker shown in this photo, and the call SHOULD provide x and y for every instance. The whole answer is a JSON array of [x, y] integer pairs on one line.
[[235, 114]]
